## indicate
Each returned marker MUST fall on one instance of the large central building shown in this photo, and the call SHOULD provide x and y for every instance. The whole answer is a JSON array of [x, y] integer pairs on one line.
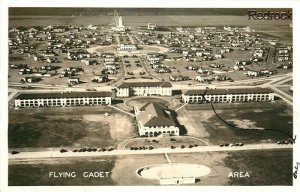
[[144, 89], [154, 119]]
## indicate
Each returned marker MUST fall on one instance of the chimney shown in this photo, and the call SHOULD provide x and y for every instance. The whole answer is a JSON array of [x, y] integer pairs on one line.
[[149, 115]]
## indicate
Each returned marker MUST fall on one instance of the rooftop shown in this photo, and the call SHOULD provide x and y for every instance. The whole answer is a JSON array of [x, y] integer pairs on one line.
[[155, 114], [145, 84], [228, 91], [62, 95]]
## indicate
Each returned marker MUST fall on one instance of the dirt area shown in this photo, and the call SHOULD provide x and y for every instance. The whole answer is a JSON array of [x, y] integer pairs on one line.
[[244, 124], [193, 121]]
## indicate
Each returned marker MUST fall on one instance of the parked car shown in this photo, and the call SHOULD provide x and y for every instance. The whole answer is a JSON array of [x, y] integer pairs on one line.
[[63, 150], [14, 152]]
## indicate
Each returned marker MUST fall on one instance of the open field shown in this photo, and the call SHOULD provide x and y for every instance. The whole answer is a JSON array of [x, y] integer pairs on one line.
[[221, 164], [288, 82], [205, 124], [37, 174], [264, 167], [279, 28], [137, 20], [68, 127], [286, 90]]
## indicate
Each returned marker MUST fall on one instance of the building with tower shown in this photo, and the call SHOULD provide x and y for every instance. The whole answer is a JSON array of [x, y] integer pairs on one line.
[[120, 27]]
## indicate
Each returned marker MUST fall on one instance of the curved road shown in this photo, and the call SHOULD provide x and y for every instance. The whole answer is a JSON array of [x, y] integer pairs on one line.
[[123, 144]]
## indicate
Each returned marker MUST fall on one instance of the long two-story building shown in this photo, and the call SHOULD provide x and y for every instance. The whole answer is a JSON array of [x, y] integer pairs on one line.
[[154, 119], [62, 99], [228, 95], [144, 89]]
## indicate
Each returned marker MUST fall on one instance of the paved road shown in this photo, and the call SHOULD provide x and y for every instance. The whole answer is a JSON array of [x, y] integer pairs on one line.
[[284, 96], [212, 148], [131, 39], [12, 95], [272, 79]]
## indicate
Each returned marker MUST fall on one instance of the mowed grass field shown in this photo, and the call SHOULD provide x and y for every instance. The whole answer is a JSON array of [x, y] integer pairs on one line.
[[37, 173], [201, 121], [68, 127], [264, 167]]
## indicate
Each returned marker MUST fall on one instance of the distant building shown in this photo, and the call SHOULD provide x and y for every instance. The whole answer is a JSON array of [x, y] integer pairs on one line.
[[204, 79], [144, 89], [59, 29], [154, 119], [73, 80], [62, 99], [119, 25], [228, 95], [127, 47], [151, 26], [100, 78], [253, 73], [219, 56], [30, 79], [258, 53], [178, 78]]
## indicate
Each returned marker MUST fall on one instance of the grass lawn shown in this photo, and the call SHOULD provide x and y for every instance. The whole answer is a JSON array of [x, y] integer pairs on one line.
[[286, 90], [204, 123], [288, 82], [264, 167], [68, 127], [37, 174]]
